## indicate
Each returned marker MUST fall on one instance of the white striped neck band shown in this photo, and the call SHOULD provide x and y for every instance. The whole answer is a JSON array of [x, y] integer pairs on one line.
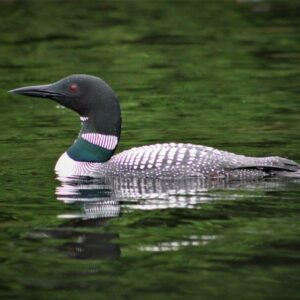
[[102, 140], [83, 119]]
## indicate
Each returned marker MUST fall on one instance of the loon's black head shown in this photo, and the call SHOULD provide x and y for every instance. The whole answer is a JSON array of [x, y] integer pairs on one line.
[[81, 93], [99, 108], [87, 95]]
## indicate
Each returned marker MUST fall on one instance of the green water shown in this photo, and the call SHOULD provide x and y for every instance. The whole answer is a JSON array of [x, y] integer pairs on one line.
[[218, 73]]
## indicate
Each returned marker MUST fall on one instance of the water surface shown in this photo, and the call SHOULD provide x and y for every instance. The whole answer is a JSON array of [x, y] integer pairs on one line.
[[217, 73]]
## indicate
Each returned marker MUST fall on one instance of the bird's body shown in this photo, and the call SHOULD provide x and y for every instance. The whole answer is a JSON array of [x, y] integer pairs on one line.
[[177, 161], [92, 152]]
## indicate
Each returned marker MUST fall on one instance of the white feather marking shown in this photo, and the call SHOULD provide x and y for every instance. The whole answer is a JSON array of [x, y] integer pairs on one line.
[[66, 166], [106, 141]]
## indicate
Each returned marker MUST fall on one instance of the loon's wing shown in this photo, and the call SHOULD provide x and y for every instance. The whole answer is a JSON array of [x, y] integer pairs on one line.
[[181, 160]]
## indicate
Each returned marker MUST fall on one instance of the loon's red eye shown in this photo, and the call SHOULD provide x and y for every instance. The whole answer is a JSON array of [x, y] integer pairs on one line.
[[73, 88]]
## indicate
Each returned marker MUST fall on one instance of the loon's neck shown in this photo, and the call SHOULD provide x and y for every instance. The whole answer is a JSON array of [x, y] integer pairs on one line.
[[98, 137]]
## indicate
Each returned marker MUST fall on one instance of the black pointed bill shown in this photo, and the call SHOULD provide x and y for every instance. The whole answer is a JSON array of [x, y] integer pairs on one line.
[[41, 91]]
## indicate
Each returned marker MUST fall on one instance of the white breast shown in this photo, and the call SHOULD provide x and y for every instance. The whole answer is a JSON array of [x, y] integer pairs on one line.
[[66, 166]]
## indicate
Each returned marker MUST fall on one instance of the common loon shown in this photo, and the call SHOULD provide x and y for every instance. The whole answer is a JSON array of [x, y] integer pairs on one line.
[[92, 152]]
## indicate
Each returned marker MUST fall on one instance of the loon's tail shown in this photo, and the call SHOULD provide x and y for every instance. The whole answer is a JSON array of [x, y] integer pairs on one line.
[[289, 174], [275, 165], [287, 167]]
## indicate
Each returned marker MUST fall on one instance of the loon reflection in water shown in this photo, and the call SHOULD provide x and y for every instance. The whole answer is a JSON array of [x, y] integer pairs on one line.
[[108, 197], [100, 200]]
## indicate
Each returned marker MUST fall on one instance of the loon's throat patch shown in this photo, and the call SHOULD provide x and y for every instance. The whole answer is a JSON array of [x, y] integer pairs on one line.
[[86, 151]]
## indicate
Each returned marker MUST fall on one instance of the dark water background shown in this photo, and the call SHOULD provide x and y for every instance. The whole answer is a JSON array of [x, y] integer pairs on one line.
[[218, 73]]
